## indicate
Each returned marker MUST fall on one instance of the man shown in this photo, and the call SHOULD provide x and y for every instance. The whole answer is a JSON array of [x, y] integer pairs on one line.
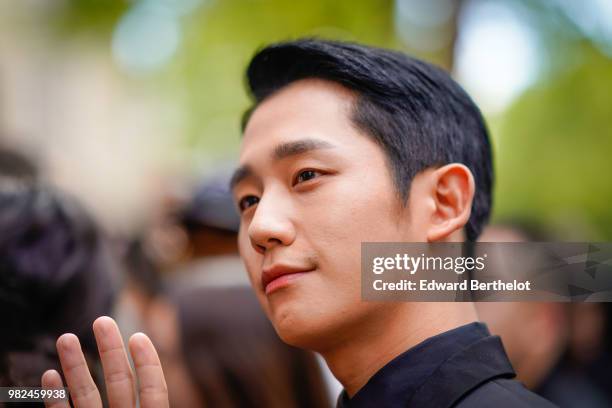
[[348, 144]]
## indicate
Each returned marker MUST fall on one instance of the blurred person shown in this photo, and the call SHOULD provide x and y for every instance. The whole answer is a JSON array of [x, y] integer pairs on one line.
[[219, 350], [56, 276], [598, 365], [188, 245], [142, 269], [210, 222], [520, 323], [548, 343], [16, 165], [141, 285], [349, 144]]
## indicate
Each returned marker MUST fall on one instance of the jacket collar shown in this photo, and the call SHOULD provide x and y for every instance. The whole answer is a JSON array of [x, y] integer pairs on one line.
[[436, 372]]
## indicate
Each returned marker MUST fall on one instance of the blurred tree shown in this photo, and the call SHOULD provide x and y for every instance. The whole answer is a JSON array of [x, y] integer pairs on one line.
[[207, 74], [203, 81], [554, 149], [96, 17], [553, 144], [429, 29]]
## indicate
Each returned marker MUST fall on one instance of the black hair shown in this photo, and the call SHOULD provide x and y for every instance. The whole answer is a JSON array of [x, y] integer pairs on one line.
[[17, 165], [56, 276], [419, 116], [141, 266]]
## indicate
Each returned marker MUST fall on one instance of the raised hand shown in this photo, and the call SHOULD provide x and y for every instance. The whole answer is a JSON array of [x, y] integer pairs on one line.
[[118, 376]]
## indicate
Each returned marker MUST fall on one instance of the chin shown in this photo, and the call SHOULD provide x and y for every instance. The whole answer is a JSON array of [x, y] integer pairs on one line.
[[300, 338], [304, 329], [300, 328]]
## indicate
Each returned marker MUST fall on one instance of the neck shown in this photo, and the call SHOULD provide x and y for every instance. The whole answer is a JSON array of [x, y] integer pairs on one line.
[[371, 346]]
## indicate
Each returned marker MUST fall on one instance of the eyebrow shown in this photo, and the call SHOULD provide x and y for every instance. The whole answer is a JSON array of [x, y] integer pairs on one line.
[[289, 149], [240, 174], [282, 151]]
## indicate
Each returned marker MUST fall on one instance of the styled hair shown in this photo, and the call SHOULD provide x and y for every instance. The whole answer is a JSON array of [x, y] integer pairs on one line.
[[56, 276], [419, 116]]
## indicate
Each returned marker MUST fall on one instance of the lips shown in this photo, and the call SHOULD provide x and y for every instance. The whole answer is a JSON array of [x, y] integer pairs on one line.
[[278, 276]]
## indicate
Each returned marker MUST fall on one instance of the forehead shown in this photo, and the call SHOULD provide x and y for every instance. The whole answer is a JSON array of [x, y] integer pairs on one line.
[[308, 108]]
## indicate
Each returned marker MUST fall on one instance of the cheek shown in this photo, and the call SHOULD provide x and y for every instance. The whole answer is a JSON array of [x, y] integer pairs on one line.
[[243, 240], [250, 258], [356, 210]]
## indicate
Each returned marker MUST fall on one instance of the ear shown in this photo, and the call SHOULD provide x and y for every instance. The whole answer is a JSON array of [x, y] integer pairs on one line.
[[453, 191]]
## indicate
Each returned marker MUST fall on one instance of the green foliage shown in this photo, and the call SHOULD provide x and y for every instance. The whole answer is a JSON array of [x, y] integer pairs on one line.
[[204, 81], [207, 75], [554, 149], [553, 145], [95, 17]]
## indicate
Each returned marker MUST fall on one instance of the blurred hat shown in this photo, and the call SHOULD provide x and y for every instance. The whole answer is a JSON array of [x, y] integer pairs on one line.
[[212, 206]]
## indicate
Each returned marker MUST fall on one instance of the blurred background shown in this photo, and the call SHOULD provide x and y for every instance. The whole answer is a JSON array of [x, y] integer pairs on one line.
[[133, 107], [123, 102]]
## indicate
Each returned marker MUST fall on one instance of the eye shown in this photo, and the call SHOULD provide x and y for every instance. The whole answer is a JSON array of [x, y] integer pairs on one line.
[[306, 175], [247, 201]]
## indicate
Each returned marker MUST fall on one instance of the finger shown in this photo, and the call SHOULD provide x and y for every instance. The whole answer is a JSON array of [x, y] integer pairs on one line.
[[152, 387], [83, 390], [117, 372], [51, 379]]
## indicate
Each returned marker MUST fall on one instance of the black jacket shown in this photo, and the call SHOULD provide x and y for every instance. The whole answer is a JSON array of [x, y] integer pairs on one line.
[[464, 367]]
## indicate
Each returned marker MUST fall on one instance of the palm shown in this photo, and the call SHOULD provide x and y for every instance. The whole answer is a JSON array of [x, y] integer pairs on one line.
[[118, 376]]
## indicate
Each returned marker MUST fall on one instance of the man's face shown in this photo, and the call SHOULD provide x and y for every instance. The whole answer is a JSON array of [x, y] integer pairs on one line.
[[311, 188]]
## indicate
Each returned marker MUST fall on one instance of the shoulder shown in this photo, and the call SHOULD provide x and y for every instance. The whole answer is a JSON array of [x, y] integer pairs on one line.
[[503, 393]]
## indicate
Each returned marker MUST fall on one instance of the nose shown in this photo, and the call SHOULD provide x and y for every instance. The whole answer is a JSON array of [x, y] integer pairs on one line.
[[271, 224]]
